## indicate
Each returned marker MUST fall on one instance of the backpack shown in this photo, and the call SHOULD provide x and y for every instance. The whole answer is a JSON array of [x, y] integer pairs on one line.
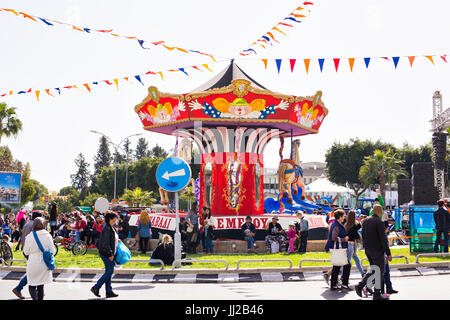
[[48, 257]]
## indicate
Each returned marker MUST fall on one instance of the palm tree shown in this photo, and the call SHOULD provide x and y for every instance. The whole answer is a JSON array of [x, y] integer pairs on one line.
[[10, 125], [382, 166], [138, 197]]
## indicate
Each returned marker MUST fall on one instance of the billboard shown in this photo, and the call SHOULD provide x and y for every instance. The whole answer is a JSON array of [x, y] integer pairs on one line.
[[10, 187]]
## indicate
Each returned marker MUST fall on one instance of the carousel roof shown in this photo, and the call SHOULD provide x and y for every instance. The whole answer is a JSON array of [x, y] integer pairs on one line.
[[231, 99]]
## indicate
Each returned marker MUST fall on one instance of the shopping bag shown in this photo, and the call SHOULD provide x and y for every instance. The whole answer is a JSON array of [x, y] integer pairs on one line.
[[123, 254], [338, 257]]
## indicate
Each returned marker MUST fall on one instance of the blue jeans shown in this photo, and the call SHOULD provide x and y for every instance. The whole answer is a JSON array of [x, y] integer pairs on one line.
[[351, 253], [106, 277], [23, 281], [250, 242], [203, 240], [77, 235], [209, 245], [387, 276]]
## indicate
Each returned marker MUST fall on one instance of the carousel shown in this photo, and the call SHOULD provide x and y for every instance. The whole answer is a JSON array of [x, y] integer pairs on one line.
[[231, 119]]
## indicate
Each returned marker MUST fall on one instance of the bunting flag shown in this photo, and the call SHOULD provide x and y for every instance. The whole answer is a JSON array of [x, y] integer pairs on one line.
[[351, 61], [292, 62], [336, 63], [268, 38], [142, 43], [278, 62], [111, 82], [321, 61], [306, 61], [395, 59]]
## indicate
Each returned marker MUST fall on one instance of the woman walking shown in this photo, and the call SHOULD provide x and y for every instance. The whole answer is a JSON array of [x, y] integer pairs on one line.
[[38, 274], [107, 247], [338, 232], [144, 231], [352, 226]]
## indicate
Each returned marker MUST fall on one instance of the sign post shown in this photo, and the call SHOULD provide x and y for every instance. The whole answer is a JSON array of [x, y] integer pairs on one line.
[[173, 175]]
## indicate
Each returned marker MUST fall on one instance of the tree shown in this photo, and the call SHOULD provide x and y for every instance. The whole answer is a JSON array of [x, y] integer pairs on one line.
[[65, 191], [138, 197], [410, 155], [141, 149], [41, 190], [345, 160], [10, 125], [382, 167], [27, 191], [128, 150], [90, 199], [81, 178], [103, 157], [159, 152]]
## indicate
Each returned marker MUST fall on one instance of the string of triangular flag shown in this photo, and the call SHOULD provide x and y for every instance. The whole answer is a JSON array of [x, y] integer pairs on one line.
[[269, 37], [115, 81], [142, 43], [351, 61]]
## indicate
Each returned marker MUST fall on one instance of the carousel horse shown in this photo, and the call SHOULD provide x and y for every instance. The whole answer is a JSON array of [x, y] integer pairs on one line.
[[290, 173]]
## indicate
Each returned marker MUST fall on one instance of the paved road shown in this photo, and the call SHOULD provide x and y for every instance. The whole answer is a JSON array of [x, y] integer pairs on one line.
[[411, 288]]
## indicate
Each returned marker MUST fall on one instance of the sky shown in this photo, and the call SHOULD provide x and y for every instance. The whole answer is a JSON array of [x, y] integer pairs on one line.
[[380, 102]]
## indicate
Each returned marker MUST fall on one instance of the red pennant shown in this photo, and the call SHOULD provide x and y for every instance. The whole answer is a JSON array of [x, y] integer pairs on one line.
[[444, 57], [292, 62], [336, 63]]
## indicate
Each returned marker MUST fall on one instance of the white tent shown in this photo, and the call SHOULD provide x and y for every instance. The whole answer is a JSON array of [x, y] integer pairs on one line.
[[323, 185]]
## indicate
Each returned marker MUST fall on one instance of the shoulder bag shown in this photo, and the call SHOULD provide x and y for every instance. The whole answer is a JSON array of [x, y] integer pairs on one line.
[[338, 257], [49, 259]]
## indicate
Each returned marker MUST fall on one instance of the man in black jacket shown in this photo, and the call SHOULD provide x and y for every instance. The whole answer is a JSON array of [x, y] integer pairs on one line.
[[376, 246], [442, 220]]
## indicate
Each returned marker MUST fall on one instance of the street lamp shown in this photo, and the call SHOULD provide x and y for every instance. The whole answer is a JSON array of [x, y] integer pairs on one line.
[[116, 149]]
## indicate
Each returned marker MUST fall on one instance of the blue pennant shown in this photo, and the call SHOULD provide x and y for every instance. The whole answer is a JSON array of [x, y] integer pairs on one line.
[[367, 61], [321, 61], [138, 78], [293, 19], [59, 90], [182, 69], [45, 21], [278, 62], [395, 59], [87, 30]]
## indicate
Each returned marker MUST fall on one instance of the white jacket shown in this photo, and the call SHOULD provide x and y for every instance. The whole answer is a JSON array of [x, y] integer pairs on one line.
[[37, 271]]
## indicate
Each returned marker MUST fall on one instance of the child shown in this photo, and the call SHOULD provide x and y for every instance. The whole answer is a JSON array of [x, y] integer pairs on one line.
[[292, 235]]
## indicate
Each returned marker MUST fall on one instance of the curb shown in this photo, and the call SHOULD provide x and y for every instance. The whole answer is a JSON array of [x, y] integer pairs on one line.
[[75, 275]]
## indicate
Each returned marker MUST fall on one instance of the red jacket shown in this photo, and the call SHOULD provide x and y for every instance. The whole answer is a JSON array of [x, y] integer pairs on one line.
[[80, 225]]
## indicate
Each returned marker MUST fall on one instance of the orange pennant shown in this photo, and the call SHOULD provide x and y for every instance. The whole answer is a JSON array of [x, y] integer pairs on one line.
[[265, 63], [48, 92], [298, 15], [351, 61], [87, 87], [11, 10], [182, 50], [115, 35], [168, 48], [275, 28], [271, 35], [76, 28], [37, 94], [411, 60], [27, 16], [306, 61], [116, 81], [430, 58], [126, 78], [206, 66], [211, 57], [160, 73]]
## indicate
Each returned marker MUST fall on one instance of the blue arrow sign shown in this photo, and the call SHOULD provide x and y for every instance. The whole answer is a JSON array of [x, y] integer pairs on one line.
[[173, 174]]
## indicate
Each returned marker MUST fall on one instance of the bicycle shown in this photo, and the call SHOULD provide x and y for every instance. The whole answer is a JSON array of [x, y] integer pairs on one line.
[[78, 248], [6, 253]]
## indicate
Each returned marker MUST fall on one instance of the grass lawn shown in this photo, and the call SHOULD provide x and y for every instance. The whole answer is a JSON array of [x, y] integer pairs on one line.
[[66, 259]]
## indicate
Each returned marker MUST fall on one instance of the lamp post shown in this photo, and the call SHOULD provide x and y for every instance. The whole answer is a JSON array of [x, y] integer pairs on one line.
[[116, 149]]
